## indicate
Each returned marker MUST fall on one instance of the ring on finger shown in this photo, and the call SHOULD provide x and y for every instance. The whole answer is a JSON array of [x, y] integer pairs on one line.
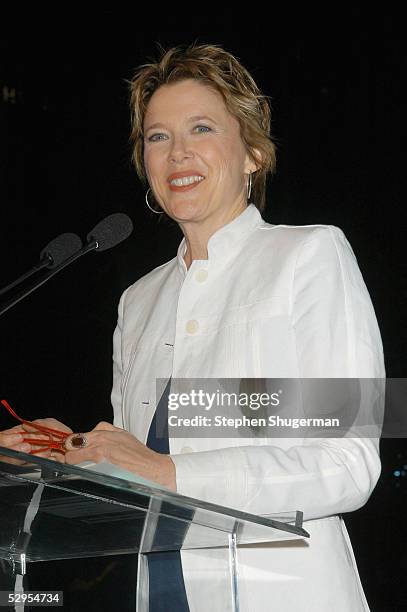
[[78, 441]]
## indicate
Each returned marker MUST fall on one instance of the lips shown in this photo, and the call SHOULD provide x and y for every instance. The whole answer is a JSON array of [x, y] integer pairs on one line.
[[183, 174], [196, 178]]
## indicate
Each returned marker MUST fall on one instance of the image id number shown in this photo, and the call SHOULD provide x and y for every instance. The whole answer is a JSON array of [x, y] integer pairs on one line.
[[34, 598]]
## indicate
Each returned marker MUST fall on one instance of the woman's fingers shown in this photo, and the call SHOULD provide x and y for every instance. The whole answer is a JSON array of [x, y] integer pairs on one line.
[[106, 442], [28, 439], [78, 441], [11, 430], [50, 423], [32, 435], [14, 441], [105, 426], [97, 445]]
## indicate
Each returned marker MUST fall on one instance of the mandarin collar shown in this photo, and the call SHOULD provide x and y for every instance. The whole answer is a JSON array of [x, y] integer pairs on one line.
[[227, 239]]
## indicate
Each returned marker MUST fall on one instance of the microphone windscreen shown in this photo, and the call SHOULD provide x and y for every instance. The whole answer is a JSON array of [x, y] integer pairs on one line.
[[111, 231], [60, 249]]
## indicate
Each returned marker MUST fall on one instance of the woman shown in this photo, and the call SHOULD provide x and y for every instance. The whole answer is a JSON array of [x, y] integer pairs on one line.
[[241, 299]]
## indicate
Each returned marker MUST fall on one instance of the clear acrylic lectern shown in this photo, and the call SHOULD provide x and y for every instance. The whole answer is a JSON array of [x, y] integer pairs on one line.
[[52, 511]]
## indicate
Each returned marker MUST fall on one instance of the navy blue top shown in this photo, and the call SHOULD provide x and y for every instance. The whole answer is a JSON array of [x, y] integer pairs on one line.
[[167, 588]]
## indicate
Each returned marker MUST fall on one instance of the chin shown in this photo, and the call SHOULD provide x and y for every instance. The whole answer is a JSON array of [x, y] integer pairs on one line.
[[185, 211]]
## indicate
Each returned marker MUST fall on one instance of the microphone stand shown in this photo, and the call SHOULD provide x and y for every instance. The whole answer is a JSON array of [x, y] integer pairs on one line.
[[90, 246], [45, 261], [56, 251]]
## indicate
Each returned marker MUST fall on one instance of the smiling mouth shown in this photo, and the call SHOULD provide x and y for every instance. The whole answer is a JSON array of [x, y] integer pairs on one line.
[[186, 182]]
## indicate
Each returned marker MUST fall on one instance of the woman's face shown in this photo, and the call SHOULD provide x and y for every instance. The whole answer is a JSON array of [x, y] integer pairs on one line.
[[195, 159]]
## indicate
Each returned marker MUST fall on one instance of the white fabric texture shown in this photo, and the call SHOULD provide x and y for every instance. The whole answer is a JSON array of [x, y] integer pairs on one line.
[[271, 301]]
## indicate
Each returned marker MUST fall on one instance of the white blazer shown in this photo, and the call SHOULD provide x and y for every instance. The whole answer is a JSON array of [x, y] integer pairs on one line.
[[271, 301]]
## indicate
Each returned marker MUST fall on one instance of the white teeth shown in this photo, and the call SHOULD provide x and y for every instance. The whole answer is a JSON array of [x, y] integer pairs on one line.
[[186, 180]]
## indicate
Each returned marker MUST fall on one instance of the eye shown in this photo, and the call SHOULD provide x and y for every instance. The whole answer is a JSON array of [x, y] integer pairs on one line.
[[156, 137], [202, 129]]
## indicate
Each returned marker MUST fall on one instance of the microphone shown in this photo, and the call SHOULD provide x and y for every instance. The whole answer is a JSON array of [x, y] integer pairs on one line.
[[108, 233], [60, 249], [56, 251]]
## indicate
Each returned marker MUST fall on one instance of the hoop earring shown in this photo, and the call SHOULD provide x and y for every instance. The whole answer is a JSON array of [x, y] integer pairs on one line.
[[249, 186], [157, 212]]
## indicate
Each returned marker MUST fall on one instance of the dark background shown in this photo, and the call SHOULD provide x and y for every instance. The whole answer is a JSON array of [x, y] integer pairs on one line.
[[334, 83]]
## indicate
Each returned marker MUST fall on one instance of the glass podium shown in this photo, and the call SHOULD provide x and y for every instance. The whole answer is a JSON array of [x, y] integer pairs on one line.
[[51, 511]]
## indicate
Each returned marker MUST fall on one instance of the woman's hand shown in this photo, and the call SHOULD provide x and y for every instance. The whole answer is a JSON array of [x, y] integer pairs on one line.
[[17, 438], [13, 439], [32, 433], [106, 442]]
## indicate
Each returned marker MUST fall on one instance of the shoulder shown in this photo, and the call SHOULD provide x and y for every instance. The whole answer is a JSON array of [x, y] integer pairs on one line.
[[299, 234], [295, 241]]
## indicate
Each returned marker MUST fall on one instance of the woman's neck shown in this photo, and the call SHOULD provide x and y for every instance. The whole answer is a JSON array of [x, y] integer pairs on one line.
[[197, 234], [197, 248]]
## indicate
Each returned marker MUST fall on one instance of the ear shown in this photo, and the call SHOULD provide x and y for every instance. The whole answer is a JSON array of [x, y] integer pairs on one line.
[[253, 161]]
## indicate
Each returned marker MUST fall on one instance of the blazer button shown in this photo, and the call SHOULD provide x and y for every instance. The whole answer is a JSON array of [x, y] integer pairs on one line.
[[186, 449], [201, 275], [192, 326]]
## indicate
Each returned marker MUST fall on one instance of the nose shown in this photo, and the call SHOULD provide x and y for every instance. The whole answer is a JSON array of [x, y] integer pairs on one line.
[[179, 149]]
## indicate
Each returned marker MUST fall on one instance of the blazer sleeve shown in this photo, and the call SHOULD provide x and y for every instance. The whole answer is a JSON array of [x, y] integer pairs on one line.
[[336, 336]]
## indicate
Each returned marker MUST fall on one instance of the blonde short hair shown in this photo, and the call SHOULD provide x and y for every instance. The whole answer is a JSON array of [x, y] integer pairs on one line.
[[219, 69]]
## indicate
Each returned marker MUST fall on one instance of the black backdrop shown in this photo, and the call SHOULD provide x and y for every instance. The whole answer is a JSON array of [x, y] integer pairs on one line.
[[335, 87]]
